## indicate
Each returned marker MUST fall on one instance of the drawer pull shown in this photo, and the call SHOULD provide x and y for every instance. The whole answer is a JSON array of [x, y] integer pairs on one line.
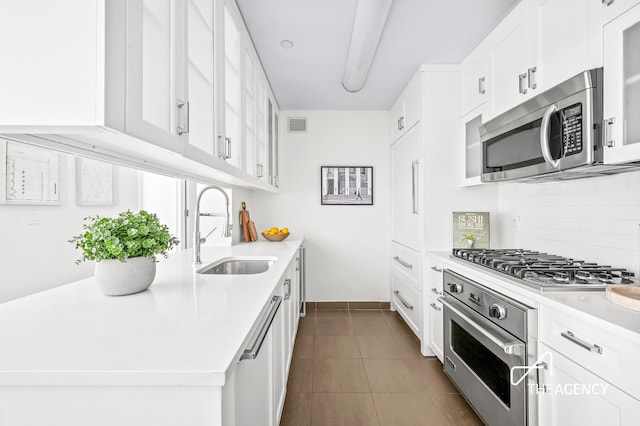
[[436, 307], [572, 338], [403, 263], [404, 302], [435, 268], [435, 290]]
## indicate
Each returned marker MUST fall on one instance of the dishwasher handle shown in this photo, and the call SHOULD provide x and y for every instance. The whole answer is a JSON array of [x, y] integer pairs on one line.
[[253, 351]]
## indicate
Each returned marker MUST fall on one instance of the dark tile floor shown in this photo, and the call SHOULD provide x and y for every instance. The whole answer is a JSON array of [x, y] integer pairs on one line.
[[364, 367]]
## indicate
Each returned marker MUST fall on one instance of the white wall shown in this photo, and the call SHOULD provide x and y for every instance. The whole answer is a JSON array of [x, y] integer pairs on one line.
[[595, 219], [347, 246], [36, 257]]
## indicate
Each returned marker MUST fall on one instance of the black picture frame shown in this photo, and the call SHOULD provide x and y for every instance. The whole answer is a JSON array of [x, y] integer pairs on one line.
[[346, 185]]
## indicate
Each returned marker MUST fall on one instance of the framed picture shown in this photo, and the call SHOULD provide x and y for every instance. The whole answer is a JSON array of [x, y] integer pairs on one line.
[[96, 183], [471, 230], [342, 186], [29, 174]]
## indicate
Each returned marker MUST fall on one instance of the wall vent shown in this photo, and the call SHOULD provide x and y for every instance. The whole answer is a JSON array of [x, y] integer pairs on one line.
[[297, 125]]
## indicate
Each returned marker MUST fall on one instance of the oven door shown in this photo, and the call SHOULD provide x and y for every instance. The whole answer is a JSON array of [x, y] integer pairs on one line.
[[478, 358]]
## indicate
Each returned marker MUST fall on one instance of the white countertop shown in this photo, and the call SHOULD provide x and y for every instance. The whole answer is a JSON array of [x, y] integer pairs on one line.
[[588, 305], [186, 329]]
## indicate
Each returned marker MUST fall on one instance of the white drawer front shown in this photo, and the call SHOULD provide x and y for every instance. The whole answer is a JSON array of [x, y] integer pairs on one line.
[[613, 358], [407, 262], [407, 301]]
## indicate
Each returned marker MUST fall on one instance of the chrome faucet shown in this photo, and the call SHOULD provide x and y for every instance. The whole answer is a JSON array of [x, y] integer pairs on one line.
[[226, 230]]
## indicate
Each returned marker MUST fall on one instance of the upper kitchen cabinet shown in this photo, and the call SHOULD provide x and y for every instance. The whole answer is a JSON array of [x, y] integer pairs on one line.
[[405, 112], [273, 142], [471, 147], [83, 67], [533, 48], [473, 80], [612, 9], [622, 87]]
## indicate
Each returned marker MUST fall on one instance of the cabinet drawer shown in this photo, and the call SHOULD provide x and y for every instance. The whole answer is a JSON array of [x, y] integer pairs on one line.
[[406, 261], [611, 357], [407, 301]]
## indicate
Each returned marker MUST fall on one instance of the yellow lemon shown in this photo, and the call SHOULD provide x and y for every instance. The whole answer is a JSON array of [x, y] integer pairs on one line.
[[273, 230], [284, 230]]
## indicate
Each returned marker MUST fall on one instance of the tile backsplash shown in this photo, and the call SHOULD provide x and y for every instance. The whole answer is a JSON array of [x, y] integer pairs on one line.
[[593, 219]]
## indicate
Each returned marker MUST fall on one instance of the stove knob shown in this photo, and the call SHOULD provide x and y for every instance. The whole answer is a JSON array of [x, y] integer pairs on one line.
[[497, 312], [455, 288]]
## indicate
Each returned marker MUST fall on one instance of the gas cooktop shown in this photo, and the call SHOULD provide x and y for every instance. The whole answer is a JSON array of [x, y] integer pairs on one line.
[[548, 271]]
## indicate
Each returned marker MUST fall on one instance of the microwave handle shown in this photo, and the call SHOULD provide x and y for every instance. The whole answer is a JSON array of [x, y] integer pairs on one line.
[[544, 136]]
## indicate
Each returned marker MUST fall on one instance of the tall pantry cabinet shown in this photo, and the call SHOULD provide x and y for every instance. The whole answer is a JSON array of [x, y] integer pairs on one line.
[[417, 129]]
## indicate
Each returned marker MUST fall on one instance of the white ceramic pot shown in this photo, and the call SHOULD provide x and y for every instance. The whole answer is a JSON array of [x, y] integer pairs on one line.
[[117, 278]]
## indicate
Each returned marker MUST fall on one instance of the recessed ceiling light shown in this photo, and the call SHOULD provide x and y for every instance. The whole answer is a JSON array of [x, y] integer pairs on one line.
[[287, 44]]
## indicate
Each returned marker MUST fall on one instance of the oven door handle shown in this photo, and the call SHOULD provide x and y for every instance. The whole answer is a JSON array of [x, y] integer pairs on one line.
[[544, 137], [510, 348]]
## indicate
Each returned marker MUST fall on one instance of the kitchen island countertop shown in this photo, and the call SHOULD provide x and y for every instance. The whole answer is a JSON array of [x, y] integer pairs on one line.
[[186, 329]]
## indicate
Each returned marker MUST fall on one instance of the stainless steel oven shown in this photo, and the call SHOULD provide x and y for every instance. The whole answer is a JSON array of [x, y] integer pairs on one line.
[[489, 340]]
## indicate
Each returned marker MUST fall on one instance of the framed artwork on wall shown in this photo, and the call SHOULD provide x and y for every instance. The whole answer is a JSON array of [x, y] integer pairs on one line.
[[346, 186], [96, 183], [29, 174]]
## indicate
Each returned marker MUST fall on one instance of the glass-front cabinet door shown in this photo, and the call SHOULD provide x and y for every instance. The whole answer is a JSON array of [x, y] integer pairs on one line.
[[156, 97], [471, 147], [622, 88], [231, 149], [250, 113], [201, 76]]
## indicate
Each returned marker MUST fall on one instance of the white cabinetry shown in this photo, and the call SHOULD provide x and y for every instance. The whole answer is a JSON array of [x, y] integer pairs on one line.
[[534, 48], [622, 87], [582, 355], [471, 147], [405, 112], [433, 307], [612, 9], [473, 80], [406, 189], [406, 286]]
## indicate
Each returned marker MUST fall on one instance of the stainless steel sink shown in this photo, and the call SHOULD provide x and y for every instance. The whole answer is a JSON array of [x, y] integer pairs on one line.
[[238, 266]]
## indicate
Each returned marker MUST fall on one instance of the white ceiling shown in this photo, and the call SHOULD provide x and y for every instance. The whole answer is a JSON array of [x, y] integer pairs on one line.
[[309, 75]]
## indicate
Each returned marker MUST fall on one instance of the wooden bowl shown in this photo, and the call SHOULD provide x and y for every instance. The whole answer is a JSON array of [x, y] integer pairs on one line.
[[627, 296], [275, 237]]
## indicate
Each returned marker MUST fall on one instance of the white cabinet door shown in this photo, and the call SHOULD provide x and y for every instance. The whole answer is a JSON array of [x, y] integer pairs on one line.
[[406, 190], [614, 8], [261, 130], [575, 396], [434, 290], [156, 96], [473, 81], [250, 110], [471, 147], [201, 75], [560, 51], [622, 87], [508, 50]]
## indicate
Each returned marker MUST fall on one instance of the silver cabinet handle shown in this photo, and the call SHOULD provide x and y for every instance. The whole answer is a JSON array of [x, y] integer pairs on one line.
[[607, 135], [522, 83], [436, 307], [544, 137], [435, 268], [401, 123], [435, 290], [259, 170], [183, 109], [254, 349], [404, 302], [402, 262], [287, 284], [531, 74], [608, 2], [227, 148], [482, 87], [572, 338], [415, 185]]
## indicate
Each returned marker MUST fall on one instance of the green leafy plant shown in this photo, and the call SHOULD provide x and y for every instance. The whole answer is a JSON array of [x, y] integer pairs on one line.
[[128, 235], [468, 237]]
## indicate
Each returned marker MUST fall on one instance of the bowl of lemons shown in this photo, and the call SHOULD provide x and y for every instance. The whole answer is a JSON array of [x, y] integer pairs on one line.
[[275, 234]]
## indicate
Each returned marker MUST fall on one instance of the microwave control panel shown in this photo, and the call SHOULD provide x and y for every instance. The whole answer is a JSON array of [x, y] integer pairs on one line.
[[571, 129]]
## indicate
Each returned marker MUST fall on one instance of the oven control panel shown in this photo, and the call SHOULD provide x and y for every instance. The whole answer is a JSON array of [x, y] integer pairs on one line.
[[509, 314], [571, 129]]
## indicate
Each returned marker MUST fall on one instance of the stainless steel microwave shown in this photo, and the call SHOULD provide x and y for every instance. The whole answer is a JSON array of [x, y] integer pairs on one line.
[[554, 135]]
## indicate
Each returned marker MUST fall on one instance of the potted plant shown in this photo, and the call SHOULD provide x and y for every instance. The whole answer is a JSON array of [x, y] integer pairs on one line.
[[124, 249], [470, 239]]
